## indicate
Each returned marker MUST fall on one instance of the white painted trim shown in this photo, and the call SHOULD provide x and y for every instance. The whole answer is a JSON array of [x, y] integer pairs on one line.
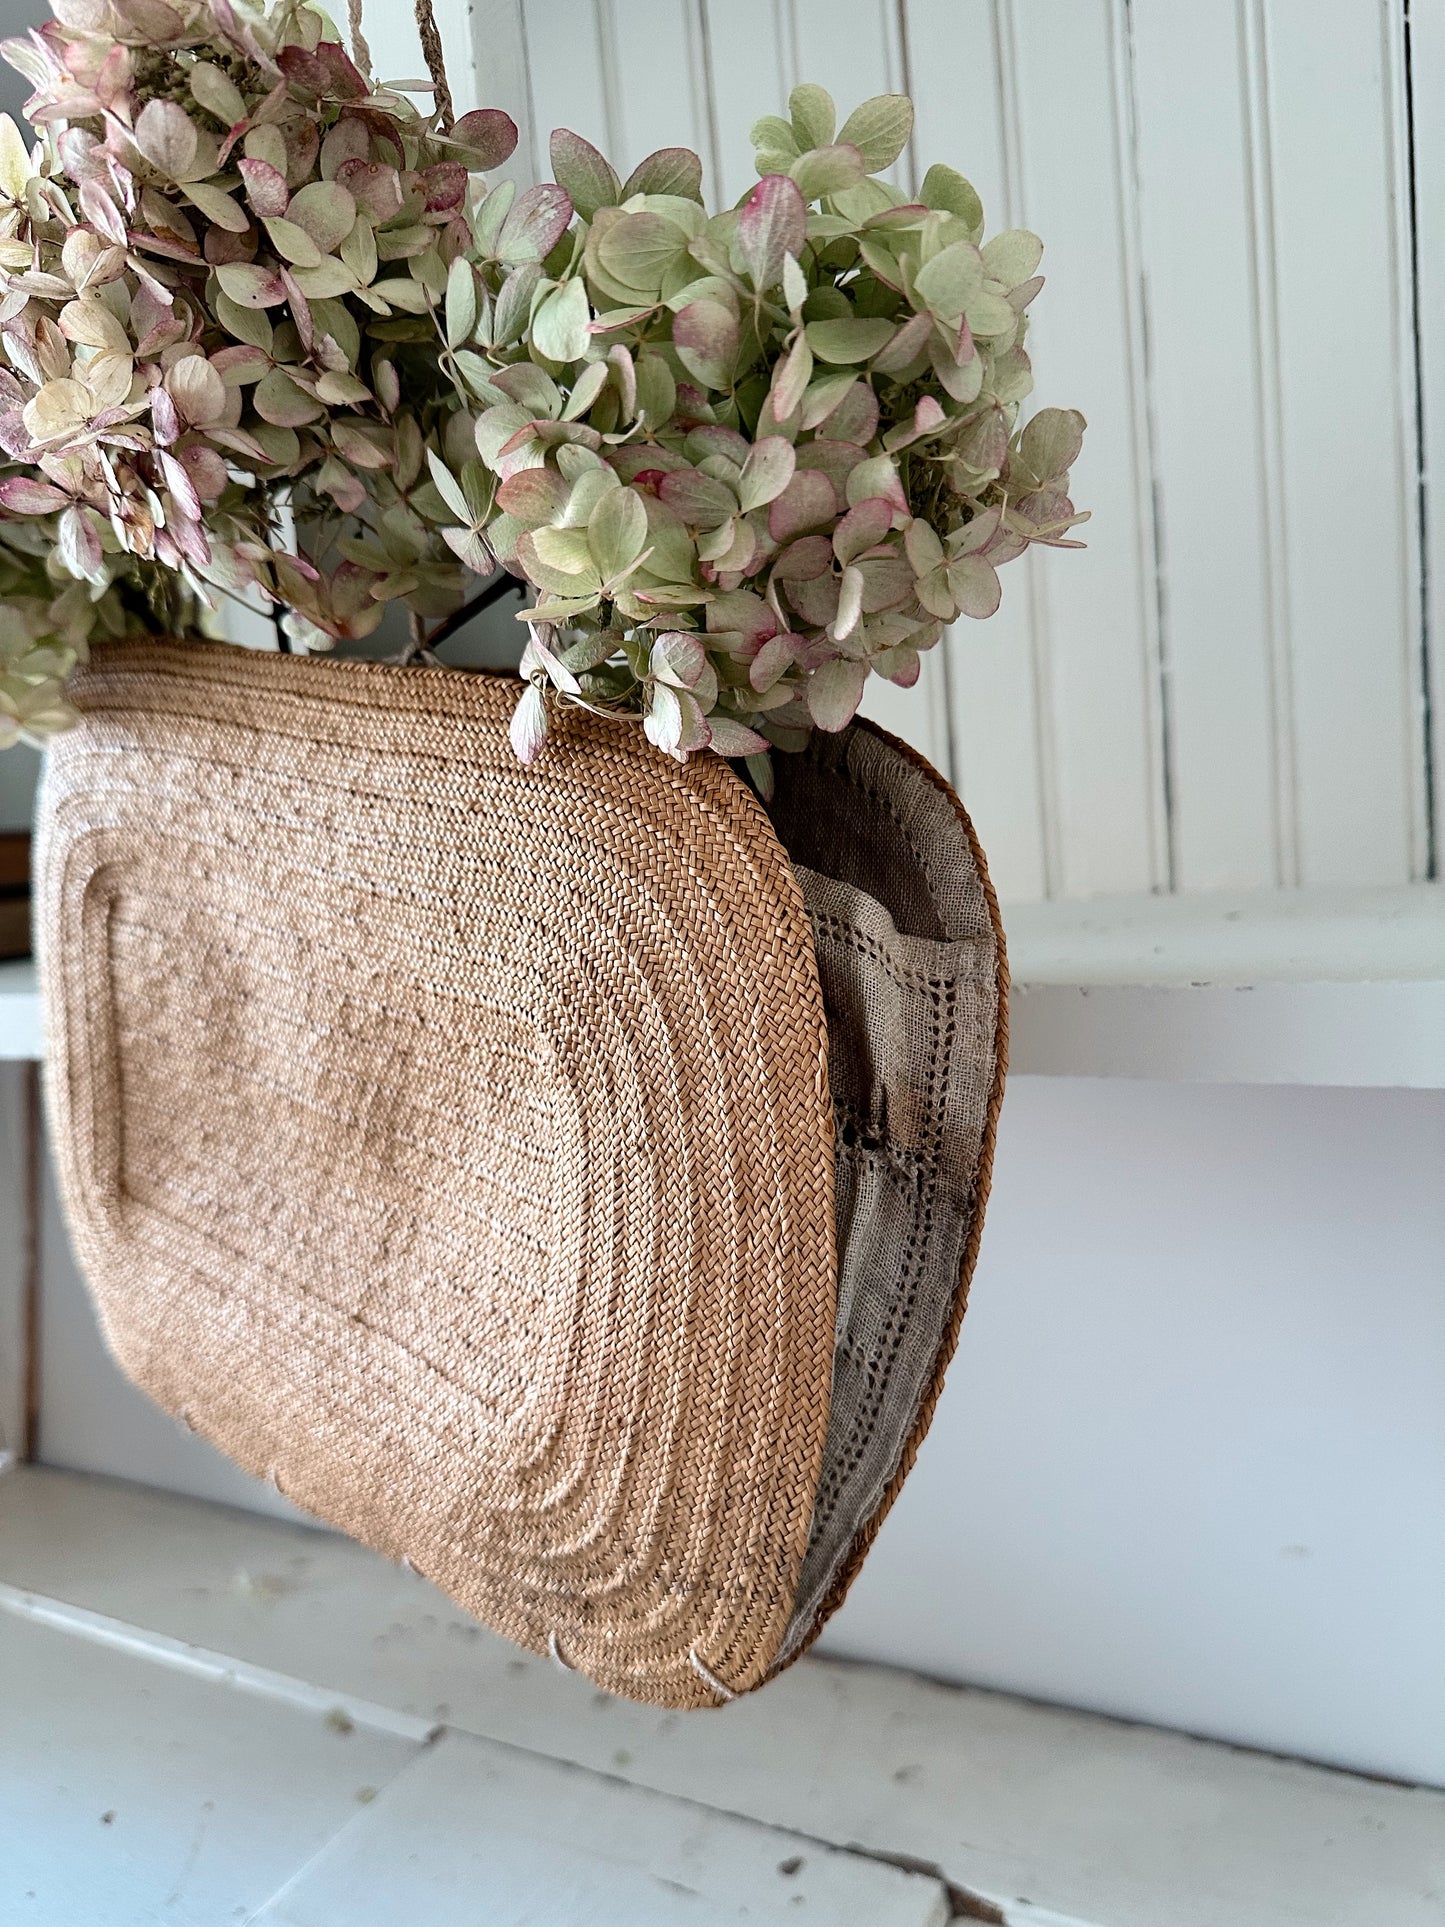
[[180, 1656], [1359, 1036], [15, 1248], [20, 1034], [1338, 987]]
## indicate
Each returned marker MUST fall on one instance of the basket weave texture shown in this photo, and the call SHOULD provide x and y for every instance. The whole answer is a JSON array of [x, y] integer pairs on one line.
[[516, 1082]]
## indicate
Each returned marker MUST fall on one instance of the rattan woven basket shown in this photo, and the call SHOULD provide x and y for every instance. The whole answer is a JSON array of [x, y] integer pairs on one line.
[[566, 1179]]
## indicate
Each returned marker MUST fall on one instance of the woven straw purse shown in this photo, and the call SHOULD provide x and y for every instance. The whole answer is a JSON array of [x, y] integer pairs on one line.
[[565, 1179]]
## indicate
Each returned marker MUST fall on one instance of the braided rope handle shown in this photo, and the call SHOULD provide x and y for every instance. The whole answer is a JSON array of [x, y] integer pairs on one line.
[[431, 46]]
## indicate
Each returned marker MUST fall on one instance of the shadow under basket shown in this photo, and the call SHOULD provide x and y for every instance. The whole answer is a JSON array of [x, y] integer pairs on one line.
[[566, 1179]]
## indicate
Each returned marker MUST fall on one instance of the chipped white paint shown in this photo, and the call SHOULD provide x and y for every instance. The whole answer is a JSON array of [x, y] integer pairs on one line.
[[475, 1832], [133, 1795]]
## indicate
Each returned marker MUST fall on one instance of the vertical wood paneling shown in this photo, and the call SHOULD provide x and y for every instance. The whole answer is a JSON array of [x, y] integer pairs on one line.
[[567, 74], [663, 39], [1096, 610], [499, 61], [955, 73], [1427, 88], [1196, 206], [750, 73], [1347, 441], [1226, 688], [853, 54]]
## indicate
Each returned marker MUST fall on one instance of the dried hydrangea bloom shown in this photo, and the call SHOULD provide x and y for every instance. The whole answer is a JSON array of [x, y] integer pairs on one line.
[[216, 272], [47, 620], [749, 458]]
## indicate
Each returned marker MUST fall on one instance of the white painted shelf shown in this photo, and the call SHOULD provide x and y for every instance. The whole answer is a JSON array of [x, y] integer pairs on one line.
[[244, 1697], [1331, 987], [19, 1011], [1340, 987]]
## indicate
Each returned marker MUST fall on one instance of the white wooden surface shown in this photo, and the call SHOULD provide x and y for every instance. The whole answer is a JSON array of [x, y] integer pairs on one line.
[[1096, 1824], [132, 1793], [478, 1833], [145, 1780]]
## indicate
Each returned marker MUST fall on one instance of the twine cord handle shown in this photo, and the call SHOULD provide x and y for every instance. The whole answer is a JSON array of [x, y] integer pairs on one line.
[[431, 46], [361, 51]]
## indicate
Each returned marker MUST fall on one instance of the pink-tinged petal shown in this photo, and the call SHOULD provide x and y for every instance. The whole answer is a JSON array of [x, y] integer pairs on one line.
[[528, 729], [975, 586], [114, 78], [701, 500], [165, 416], [489, 135], [728, 737], [903, 666], [23, 495], [266, 187], [345, 79], [711, 438], [241, 363], [102, 213], [586, 173], [789, 385], [862, 527], [167, 136], [772, 224], [774, 659], [705, 335], [537, 221], [805, 560], [906, 346], [670, 170], [806, 503], [303, 70], [444, 185], [190, 539], [251, 287], [678, 657], [855, 419], [534, 495], [349, 140], [834, 693], [182, 488], [745, 614], [14, 435], [206, 470], [374, 186]]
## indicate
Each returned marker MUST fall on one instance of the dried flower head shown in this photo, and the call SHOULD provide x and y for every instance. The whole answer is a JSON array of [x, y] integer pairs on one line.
[[748, 458], [217, 361], [48, 619]]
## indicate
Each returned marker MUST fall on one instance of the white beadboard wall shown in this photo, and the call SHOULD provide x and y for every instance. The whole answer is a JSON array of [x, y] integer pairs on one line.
[[1228, 690]]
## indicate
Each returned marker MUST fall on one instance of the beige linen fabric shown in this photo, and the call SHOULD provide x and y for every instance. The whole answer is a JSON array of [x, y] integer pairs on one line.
[[909, 952]]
